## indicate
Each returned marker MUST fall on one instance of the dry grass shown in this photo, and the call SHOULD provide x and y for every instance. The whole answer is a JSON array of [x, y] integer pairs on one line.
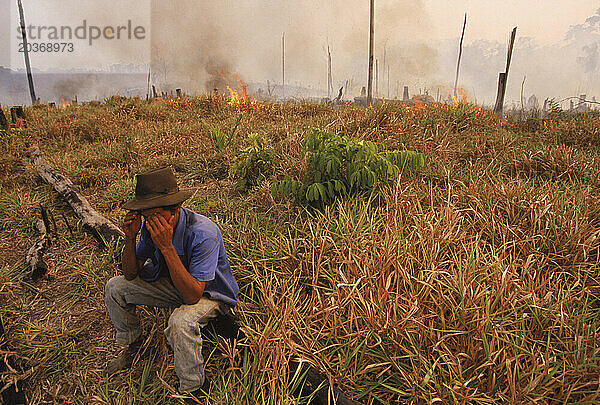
[[472, 281]]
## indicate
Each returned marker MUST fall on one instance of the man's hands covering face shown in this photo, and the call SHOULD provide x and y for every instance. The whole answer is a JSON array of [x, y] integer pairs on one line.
[[161, 229], [132, 224]]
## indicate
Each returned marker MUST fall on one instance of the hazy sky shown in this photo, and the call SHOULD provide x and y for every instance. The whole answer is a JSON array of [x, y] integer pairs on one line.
[[193, 40], [545, 20]]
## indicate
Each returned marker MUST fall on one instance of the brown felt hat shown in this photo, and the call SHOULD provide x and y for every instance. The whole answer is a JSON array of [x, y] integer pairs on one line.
[[156, 188]]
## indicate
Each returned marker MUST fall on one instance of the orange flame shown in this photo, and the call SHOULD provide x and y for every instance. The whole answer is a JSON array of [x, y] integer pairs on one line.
[[464, 98], [463, 95], [234, 97], [239, 98], [178, 103]]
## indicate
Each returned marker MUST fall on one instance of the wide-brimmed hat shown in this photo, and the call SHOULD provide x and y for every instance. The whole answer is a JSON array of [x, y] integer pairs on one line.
[[156, 188]]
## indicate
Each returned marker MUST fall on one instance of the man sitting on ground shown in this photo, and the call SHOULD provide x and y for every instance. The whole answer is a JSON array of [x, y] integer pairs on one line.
[[179, 262]]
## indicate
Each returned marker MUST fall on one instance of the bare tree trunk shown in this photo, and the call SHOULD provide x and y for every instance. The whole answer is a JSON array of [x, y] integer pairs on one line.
[[329, 79], [522, 91], [460, 48], [388, 82], [504, 76], [26, 53], [376, 78], [283, 65], [148, 89], [371, 34]]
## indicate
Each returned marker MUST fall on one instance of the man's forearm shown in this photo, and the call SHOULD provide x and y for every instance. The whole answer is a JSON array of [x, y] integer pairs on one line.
[[190, 289], [128, 260]]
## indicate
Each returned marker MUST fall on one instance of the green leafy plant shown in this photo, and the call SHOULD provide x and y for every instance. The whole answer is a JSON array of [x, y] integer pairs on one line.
[[253, 163], [220, 138], [340, 166]]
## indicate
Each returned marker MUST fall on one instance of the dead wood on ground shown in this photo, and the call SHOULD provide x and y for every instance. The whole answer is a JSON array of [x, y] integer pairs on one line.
[[35, 255], [93, 222]]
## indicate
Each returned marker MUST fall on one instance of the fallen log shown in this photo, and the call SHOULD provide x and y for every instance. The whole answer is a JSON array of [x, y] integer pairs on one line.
[[93, 222], [35, 256]]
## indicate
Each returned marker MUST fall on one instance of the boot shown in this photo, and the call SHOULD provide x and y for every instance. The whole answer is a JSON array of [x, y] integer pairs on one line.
[[125, 359]]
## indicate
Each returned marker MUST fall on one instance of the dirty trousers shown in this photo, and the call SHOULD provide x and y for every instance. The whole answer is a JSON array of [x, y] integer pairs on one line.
[[185, 323]]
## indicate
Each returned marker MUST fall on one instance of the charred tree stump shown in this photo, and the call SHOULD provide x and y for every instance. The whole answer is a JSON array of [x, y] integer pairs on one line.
[[500, 95], [93, 222], [339, 96], [17, 116], [154, 93], [179, 93], [3, 122], [35, 256]]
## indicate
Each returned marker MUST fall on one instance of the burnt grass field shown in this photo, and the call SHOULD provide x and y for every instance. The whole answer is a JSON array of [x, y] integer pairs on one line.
[[473, 279]]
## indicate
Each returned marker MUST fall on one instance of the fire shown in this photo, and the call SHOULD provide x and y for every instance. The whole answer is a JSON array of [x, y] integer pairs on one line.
[[463, 95], [178, 103], [64, 102], [239, 98], [464, 98], [234, 97]]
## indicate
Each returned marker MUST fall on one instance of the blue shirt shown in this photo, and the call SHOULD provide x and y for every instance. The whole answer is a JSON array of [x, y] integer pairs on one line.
[[199, 244]]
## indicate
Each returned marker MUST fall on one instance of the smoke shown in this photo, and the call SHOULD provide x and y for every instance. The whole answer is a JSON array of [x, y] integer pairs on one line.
[[581, 31], [589, 61], [201, 45], [195, 43], [558, 70], [68, 87], [587, 37]]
